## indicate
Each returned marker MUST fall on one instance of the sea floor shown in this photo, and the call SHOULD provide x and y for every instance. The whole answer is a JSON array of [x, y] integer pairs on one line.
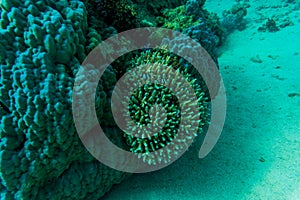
[[258, 154]]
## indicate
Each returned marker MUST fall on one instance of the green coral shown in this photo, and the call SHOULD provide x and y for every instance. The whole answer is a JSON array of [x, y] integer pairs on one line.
[[148, 95], [177, 19]]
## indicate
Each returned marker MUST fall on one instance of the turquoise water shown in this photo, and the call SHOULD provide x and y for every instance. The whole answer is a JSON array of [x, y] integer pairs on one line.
[[49, 86]]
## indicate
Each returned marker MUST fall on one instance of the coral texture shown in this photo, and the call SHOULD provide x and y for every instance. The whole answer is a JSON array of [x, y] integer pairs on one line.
[[177, 19], [42, 44]]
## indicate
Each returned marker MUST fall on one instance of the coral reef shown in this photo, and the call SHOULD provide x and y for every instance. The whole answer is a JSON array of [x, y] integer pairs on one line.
[[42, 44]]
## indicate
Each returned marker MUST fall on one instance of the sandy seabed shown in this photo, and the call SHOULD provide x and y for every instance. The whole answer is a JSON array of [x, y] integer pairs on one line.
[[258, 154]]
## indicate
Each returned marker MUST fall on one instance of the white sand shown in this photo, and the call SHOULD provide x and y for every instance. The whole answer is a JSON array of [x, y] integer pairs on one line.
[[262, 123]]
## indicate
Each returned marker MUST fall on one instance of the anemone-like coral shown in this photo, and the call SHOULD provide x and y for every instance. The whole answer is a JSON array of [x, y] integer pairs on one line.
[[145, 97]]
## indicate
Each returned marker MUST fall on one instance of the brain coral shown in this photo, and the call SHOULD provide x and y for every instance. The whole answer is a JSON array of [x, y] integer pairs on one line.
[[42, 44]]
